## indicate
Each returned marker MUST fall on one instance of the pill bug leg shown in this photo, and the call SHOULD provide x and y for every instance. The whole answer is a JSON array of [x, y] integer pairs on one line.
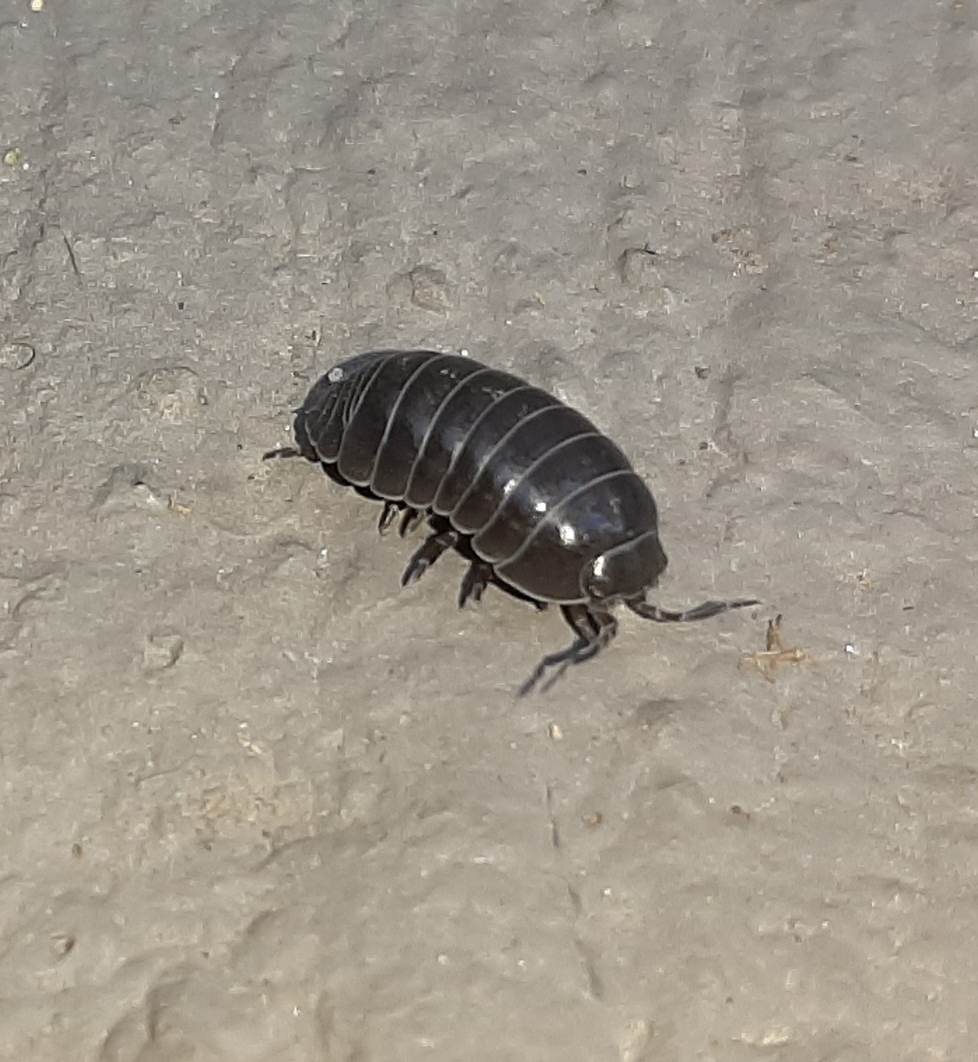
[[697, 612], [474, 583], [410, 519], [594, 629], [391, 509], [481, 574], [442, 538]]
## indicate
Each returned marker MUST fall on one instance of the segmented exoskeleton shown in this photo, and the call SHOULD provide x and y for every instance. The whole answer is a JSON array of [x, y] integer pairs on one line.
[[527, 489]]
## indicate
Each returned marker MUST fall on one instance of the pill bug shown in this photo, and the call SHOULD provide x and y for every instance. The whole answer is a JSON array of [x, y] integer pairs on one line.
[[525, 488]]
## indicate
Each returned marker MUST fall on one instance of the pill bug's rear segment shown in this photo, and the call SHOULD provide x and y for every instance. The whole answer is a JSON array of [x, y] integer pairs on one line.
[[526, 489]]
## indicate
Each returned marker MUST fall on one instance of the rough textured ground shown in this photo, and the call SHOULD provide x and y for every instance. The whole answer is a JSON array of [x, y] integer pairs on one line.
[[257, 804]]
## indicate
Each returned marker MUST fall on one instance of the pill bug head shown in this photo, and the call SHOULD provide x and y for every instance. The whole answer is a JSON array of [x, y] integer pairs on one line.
[[625, 572]]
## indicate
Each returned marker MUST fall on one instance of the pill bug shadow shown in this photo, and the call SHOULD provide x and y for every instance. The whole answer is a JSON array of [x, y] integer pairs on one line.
[[536, 500]]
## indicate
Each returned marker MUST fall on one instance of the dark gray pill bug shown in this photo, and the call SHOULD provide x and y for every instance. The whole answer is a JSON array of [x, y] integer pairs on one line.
[[536, 499]]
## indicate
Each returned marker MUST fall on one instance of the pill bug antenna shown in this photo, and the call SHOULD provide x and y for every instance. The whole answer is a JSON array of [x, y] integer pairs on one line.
[[706, 610]]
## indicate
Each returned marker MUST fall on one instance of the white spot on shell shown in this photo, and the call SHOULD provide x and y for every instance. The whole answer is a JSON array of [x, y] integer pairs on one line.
[[335, 375]]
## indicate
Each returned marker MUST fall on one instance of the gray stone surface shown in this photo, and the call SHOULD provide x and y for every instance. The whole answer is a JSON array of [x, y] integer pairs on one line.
[[257, 804]]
